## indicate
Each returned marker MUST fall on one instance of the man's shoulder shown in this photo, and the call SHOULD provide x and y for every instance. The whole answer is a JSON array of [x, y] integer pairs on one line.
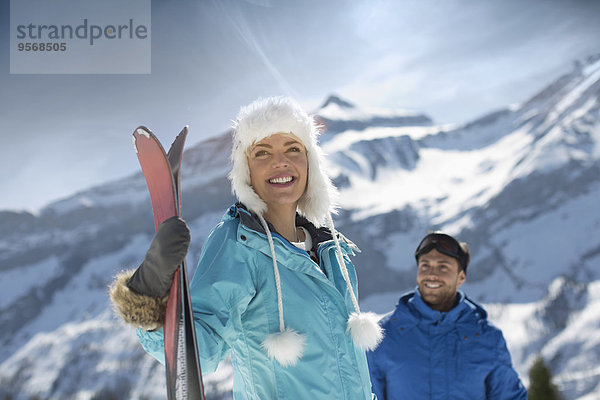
[[477, 318], [474, 308]]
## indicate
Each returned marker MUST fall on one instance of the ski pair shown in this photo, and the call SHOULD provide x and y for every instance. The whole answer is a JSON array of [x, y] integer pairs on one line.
[[162, 172]]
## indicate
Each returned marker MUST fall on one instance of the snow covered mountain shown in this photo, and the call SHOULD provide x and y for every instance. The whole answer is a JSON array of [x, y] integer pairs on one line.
[[520, 185]]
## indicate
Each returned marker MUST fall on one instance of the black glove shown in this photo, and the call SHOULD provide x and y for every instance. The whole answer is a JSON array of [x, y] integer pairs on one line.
[[167, 251]]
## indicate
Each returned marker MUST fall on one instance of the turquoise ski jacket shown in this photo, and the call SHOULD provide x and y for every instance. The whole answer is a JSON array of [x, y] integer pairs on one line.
[[234, 301], [431, 355]]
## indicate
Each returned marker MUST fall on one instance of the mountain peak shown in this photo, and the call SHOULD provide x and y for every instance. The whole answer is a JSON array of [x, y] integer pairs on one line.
[[334, 99], [339, 115]]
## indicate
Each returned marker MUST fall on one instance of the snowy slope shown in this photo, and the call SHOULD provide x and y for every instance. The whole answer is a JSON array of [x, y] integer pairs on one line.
[[520, 185]]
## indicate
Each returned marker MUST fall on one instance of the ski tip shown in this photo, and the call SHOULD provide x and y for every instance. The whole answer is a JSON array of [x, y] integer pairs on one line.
[[143, 132], [139, 132], [181, 136]]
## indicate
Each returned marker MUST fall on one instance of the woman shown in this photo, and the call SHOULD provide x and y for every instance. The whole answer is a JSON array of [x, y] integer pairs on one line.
[[273, 287]]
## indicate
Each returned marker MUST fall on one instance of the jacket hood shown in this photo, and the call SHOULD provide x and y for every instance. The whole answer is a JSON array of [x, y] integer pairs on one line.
[[317, 234], [420, 311]]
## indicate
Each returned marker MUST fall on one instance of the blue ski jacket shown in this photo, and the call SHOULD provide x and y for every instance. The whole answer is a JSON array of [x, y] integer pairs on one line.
[[234, 302], [431, 355]]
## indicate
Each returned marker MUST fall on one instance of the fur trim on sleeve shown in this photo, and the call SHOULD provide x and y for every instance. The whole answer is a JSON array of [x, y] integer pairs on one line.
[[139, 310]]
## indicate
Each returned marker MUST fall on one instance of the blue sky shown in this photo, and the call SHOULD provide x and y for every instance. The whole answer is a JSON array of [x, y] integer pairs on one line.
[[451, 59]]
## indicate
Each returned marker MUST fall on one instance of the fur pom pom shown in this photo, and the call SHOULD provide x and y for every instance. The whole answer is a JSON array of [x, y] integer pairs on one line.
[[286, 347], [136, 309], [365, 330]]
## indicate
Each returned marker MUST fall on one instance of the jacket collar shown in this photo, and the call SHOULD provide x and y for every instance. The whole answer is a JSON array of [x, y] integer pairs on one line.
[[420, 312], [250, 220], [418, 304]]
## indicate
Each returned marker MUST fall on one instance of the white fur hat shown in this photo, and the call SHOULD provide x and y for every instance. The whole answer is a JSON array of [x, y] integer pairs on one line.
[[263, 118]]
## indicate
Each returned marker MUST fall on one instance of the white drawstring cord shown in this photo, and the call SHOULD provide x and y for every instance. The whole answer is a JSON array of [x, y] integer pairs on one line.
[[363, 327], [340, 257], [287, 345], [275, 272]]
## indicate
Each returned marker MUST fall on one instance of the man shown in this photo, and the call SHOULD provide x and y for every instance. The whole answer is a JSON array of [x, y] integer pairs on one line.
[[438, 343]]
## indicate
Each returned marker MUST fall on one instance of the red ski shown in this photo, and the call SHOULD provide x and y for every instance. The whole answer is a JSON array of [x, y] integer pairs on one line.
[[163, 175]]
